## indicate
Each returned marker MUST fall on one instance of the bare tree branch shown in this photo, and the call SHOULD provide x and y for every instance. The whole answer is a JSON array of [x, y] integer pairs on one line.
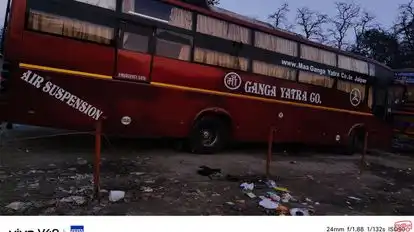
[[365, 22], [279, 17], [344, 20], [405, 23], [213, 2], [311, 23]]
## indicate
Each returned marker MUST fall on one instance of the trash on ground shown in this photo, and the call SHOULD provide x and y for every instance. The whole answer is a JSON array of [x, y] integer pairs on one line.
[[230, 203], [286, 197], [280, 189], [247, 187], [273, 196], [268, 204], [116, 195], [271, 184], [146, 189], [299, 212], [355, 198], [282, 210], [137, 173], [251, 195]]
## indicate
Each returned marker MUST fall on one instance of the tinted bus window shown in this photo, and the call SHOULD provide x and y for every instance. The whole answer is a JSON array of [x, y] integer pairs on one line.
[[74, 28], [108, 4], [156, 10], [136, 38], [173, 45]]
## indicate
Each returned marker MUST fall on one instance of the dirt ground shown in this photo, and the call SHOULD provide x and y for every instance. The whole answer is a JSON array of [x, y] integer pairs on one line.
[[53, 176]]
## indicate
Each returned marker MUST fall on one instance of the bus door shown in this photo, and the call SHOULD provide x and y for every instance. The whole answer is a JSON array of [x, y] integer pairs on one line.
[[133, 61]]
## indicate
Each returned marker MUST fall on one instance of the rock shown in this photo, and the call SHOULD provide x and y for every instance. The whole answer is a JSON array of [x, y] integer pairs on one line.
[[116, 195], [215, 195], [149, 181], [81, 161], [17, 206], [72, 169], [50, 210], [79, 200], [52, 165]]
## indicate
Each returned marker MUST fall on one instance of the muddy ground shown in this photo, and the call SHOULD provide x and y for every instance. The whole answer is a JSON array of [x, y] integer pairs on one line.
[[53, 176]]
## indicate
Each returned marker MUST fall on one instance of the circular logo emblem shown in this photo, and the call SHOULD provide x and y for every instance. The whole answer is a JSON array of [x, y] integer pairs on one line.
[[126, 120], [232, 81], [355, 97]]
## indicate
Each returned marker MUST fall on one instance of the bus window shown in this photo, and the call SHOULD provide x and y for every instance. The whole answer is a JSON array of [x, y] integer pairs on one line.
[[173, 45], [58, 25], [276, 44], [159, 11], [347, 87], [223, 29], [317, 55], [274, 70], [314, 79], [108, 4], [210, 57]]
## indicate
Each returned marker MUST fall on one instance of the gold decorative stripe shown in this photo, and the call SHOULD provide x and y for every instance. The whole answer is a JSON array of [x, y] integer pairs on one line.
[[65, 71], [199, 90]]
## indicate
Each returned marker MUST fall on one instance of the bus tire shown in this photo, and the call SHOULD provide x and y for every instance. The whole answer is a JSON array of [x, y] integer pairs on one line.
[[209, 135], [356, 142]]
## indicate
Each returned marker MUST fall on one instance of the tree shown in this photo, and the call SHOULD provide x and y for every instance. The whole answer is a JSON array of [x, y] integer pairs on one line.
[[279, 17], [380, 45], [342, 22], [213, 2], [404, 29], [310, 23]]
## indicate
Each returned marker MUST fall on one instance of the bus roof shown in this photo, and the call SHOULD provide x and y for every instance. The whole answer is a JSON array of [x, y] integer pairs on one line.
[[201, 6]]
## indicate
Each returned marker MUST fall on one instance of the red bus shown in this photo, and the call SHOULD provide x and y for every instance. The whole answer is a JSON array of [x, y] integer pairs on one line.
[[178, 69]]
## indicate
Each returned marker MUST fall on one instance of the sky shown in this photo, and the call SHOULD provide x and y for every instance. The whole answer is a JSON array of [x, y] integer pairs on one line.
[[385, 10]]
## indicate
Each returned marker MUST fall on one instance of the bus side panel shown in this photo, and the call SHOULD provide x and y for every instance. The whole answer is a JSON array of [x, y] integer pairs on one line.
[[58, 52], [252, 119]]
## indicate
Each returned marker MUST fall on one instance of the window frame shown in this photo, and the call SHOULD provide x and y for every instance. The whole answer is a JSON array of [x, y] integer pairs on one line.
[[157, 37]]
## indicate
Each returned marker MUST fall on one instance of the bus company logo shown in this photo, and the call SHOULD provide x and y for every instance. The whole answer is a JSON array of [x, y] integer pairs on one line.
[[76, 229], [403, 226], [355, 97], [232, 81]]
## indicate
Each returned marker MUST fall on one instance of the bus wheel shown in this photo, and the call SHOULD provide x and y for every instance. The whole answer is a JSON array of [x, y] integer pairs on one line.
[[209, 135], [356, 142]]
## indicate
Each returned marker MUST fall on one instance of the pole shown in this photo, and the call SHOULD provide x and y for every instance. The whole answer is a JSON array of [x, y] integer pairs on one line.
[[364, 151], [269, 152], [96, 172]]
